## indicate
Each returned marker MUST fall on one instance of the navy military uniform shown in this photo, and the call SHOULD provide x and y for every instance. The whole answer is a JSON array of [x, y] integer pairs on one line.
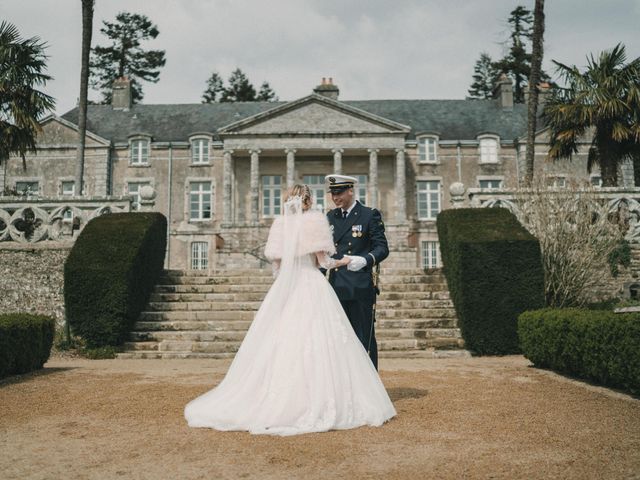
[[361, 234]]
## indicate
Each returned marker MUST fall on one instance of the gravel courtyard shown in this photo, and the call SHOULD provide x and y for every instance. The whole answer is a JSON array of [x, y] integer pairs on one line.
[[486, 418]]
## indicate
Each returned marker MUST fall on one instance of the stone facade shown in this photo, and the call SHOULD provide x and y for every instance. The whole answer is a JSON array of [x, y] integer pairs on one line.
[[408, 152], [32, 278]]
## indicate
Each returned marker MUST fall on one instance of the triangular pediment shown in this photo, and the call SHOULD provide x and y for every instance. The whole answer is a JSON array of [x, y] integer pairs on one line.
[[58, 131], [314, 115]]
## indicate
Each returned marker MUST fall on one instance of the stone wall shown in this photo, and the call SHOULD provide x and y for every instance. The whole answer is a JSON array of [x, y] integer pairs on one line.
[[32, 278]]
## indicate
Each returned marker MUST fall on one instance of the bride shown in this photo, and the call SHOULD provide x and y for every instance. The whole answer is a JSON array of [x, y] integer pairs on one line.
[[300, 367]]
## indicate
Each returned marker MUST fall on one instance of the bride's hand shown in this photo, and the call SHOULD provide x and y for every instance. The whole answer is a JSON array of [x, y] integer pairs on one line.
[[343, 261]]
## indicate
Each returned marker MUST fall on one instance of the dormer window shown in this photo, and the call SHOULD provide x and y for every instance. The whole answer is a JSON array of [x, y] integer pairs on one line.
[[428, 149], [488, 150], [200, 151], [139, 150]]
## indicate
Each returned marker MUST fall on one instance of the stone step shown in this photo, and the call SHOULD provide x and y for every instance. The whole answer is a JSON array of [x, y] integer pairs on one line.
[[420, 313], [211, 289], [426, 353], [196, 315], [421, 305], [202, 306], [419, 344], [415, 324], [188, 336], [386, 279], [155, 354], [427, 333], [193, 325], [411, 304], [207, 297], [385, 295], [185, 346], [231, 272], [414, 287], [219, 280]]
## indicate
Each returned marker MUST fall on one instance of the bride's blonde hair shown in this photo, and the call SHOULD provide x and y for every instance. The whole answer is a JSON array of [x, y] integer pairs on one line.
[[303, 192]]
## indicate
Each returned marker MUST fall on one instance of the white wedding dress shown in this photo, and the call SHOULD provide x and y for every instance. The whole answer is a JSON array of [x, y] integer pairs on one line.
[[300, 367]]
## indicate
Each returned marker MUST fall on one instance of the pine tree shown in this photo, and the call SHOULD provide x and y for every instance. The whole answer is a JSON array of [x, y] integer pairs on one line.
[[240, 88], [266, 93], [484, 77], [125, 56], [214, 90], [517, 63]]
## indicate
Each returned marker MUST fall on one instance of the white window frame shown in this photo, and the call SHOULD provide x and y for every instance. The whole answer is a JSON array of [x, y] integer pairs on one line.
[[593, 177], [29, 192], [139, 156], [425, 153], [318, 190], [500, 180], [73, 188], [203, 197], [488, 157], [198, 146], [199, 255], [431, 194], [271, 197], [430, 254], [361, 189]]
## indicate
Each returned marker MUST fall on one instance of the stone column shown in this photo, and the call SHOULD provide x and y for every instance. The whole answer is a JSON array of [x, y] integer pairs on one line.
[[401, 187], [227, 169], [337, 160], [255, 185], [373, 177], [291, 166]]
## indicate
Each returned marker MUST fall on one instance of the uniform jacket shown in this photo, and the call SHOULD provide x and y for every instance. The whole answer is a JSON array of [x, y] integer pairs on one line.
[[360, 234]]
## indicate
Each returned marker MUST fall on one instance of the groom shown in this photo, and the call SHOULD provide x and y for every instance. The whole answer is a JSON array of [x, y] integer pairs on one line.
[[358, 232]]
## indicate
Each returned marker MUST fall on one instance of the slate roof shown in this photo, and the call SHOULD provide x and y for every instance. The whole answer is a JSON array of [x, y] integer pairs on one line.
[[451, 119]]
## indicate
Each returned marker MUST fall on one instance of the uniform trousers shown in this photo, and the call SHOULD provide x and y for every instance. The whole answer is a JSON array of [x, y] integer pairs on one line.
[[360, 314]]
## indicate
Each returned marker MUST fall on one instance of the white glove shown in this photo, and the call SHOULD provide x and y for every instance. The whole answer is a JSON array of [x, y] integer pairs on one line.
[[357, 263]]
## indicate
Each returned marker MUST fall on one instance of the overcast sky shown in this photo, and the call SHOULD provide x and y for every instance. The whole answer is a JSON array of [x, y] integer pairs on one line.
[[373, 49]]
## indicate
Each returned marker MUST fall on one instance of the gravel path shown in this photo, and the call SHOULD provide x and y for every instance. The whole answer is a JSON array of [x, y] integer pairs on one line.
[[486, 418]]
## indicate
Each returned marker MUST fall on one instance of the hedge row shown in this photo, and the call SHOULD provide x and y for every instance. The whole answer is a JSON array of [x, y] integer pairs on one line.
[[110, 273], [594, 344], [25, 342], [494, 272]]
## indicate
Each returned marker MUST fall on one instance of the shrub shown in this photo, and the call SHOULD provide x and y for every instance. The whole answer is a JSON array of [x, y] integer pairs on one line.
[[109, 275], [25, 342], [494, 272], [581, 243], [597, 345]]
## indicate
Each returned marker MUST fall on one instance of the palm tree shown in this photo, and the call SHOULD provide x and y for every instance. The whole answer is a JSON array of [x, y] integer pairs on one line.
[[87, 26], [603, 101], [534, 79], [22, 66]]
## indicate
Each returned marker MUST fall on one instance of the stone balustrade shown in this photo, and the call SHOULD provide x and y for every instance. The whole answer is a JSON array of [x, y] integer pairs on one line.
[[622, 202], [34, 219]]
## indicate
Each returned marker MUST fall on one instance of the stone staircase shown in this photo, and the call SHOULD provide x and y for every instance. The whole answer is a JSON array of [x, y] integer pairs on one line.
[[206, 315]]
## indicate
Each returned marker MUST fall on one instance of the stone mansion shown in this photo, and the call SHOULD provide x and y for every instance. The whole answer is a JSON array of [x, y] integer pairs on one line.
[[218, 171]]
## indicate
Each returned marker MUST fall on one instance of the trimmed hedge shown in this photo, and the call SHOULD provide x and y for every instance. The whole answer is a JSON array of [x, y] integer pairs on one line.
[[110, 272], [494, 272], [594, 344], [25, 342]]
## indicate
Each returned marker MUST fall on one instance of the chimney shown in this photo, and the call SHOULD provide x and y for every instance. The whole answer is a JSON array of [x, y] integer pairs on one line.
[[121, 94], [544, 91], [503, 92], [327, 89]]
